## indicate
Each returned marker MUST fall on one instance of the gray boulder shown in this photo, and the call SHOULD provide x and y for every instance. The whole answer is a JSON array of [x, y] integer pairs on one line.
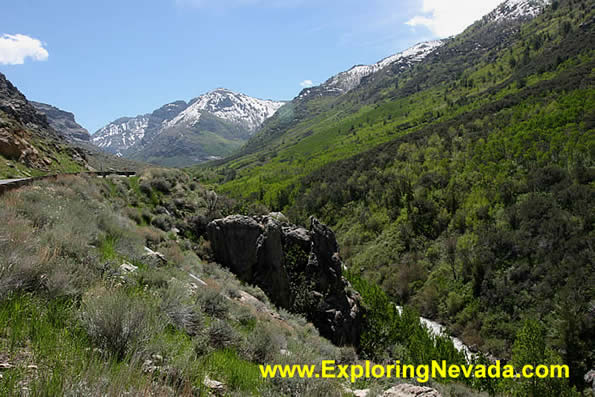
[[234, 240], [408, 390], [299, 269]]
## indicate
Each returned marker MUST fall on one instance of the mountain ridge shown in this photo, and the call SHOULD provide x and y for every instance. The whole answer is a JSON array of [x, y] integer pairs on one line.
[[502, 21], [232, 118]]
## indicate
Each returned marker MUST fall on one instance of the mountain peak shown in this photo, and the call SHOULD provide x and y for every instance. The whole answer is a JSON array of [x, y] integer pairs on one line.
[[222, 90], [234, 107], [517, 9]]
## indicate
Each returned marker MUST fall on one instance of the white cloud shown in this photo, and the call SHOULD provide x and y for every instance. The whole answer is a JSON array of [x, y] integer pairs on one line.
[[446, 18], [15, 48], [307, 83]]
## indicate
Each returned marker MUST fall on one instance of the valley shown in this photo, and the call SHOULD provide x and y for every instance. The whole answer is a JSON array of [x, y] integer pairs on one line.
[[436, 205]]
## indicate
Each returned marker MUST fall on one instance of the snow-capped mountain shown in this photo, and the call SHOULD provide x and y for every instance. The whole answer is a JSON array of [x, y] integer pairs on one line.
[[489, 33], [236, 108], [516, 9], [348, 80], [222, 114]]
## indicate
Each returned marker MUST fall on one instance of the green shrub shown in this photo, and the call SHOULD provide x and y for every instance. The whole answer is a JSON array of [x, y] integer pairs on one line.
[[244, 316], [116, 322], [232, 292], [262, 345], [221, 335], [163, 222], [26, 277], [161, 185], [145, 187], [133, 214], [55, 260], [180, 313], [152, 236], [347, 355], [149, 278], [213, 303], [198, 225]]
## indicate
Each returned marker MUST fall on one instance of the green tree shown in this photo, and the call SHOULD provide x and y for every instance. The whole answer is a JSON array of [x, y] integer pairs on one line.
[[530, 349]]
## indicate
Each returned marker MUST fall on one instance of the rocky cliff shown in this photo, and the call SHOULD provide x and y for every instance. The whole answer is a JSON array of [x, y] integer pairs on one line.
[[299, 269], [63, 122]]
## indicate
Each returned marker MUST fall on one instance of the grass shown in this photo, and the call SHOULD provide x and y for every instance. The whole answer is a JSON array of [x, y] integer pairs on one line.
[[239, 374], [107, 247], [90, 328], [41, 333]]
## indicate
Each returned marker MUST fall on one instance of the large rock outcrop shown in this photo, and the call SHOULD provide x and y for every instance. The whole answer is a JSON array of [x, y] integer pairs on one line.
[[14, 145], [299, 269]]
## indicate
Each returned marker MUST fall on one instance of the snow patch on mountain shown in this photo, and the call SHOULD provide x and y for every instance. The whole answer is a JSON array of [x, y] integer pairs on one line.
[[121, 134], [234, 107], [348, 80], [516, 9], [189, 117]]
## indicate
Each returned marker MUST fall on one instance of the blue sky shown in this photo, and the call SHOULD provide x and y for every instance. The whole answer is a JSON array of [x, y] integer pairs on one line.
[[106, 59]]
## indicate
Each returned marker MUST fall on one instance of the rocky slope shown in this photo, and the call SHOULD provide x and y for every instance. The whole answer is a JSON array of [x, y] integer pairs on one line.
[[28, 143], [16, 106], [179, 133], [63, 122], [299, 269], [127, 132]]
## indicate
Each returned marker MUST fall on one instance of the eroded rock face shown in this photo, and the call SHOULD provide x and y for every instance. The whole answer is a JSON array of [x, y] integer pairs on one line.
[[299, 269], [234, 242]]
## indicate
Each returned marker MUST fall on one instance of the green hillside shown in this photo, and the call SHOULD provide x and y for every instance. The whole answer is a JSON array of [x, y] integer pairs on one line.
[[463, 185]]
